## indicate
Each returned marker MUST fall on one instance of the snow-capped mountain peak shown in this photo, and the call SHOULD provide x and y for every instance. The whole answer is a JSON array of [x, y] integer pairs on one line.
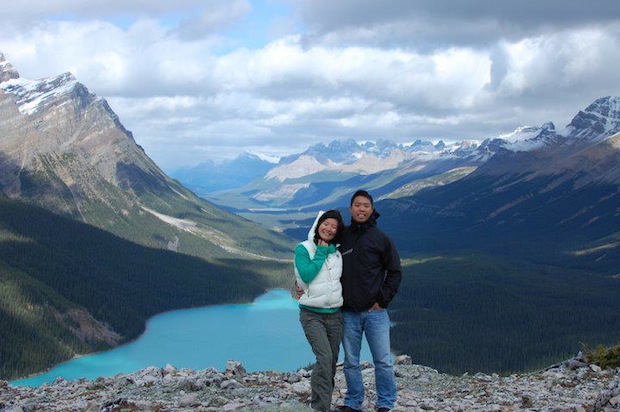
[[32, 94], [7, 71], [526, 138], [36, 95], [263, 156], [598, 121]]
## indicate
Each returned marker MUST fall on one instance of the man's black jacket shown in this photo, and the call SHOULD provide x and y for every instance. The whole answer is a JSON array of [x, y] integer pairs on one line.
[[371, 266]]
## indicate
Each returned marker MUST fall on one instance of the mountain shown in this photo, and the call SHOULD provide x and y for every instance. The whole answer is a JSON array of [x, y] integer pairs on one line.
[[63, 148], [95, 238], [553, 185], [208, 177], [323, 177], [519, 259]]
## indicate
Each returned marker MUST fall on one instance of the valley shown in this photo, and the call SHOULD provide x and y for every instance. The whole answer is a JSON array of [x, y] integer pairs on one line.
[[510, 243]]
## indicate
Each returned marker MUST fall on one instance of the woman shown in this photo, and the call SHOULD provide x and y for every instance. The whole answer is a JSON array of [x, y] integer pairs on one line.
[[318, 267]]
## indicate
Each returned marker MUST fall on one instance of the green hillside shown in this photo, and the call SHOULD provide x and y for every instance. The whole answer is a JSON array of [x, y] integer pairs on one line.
[[478, 311], [151, 210], [68, 288], [506, 280]]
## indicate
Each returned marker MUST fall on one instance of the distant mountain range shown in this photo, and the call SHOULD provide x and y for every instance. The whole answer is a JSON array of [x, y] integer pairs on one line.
[[294, 181], [324, 176]]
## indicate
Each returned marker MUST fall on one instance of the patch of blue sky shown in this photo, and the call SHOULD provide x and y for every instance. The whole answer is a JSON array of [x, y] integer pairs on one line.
[[125, 19], [267, 21]]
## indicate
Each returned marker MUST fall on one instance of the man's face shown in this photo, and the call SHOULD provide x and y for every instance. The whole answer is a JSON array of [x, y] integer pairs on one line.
[[361, 209]]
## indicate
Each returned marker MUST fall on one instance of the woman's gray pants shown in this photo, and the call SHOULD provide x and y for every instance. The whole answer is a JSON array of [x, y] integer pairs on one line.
[[324, 333]]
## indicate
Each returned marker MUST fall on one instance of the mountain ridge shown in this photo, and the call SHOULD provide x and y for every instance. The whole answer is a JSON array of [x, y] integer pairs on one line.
[[65, 149], [323, 176]]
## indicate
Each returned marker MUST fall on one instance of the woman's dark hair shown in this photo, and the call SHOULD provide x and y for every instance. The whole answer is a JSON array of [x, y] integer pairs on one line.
[[333, 214]]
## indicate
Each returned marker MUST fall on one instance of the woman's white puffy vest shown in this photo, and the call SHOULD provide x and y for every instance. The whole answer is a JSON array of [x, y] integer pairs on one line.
[[325, 290]]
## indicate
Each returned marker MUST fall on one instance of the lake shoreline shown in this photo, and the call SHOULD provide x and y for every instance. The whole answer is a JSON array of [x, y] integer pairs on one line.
[[263, 334], [77, 356]]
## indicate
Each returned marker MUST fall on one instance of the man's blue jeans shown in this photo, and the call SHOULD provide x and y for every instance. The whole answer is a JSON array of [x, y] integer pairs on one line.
[[375, 324]]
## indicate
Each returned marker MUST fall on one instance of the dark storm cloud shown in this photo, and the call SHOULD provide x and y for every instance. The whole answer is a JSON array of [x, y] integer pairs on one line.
[[424, 24]]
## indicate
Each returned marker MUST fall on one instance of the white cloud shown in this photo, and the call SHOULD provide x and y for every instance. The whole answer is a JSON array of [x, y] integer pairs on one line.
[[188, 90]]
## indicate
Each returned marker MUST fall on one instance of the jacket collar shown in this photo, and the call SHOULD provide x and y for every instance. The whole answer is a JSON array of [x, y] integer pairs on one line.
[[362, 227]]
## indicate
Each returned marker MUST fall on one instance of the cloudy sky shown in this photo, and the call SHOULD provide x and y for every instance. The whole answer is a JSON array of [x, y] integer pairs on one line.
[[209, 79]]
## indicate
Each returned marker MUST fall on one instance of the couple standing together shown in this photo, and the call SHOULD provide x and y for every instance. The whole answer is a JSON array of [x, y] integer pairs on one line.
[[348, 277]]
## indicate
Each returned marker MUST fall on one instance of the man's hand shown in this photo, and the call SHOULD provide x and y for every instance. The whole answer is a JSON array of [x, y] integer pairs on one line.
[[376, 306], [296, 291]]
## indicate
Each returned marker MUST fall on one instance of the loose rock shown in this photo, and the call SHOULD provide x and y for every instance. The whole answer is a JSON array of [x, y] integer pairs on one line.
[[573, 385]]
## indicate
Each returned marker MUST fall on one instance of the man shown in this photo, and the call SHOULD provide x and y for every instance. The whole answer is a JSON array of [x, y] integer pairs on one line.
[[370, 279]]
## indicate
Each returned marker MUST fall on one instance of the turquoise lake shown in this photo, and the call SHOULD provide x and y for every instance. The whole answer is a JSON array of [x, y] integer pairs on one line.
[[263, 335]]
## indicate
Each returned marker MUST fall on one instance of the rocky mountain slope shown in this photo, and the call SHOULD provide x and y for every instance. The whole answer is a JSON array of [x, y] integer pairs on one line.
[[562, 187], [63, 148], [570, 386]]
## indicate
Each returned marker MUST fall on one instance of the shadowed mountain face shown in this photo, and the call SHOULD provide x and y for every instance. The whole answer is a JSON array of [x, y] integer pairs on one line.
[[69, 288], [565, 194], [516, 262], [63, 148]]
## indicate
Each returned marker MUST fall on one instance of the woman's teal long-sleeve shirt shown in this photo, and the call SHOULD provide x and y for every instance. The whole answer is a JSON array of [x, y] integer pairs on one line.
[[309, 268]]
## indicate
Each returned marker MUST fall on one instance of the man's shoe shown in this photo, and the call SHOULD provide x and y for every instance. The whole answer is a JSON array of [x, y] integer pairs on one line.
[[383, 409], [345, 408]]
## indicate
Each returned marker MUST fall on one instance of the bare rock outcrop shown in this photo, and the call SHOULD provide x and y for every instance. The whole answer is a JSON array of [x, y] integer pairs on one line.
[[573, 385]]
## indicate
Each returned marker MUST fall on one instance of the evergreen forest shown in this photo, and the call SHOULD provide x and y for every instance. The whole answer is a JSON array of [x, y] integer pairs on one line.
[[499, 306], [54, 272], [473, 312]]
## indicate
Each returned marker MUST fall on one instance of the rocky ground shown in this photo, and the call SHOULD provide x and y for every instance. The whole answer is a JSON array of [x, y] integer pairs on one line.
[[570, 386]]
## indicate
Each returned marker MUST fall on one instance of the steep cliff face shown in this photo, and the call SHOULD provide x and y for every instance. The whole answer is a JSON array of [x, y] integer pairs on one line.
[[63, 148], [57, 128], [598, 121]]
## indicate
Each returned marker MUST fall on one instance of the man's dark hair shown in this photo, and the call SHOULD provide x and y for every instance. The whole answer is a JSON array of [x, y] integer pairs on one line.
[[364, 194]]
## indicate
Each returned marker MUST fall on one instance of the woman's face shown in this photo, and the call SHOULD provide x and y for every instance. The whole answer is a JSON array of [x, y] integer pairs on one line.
[[328, 229]]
